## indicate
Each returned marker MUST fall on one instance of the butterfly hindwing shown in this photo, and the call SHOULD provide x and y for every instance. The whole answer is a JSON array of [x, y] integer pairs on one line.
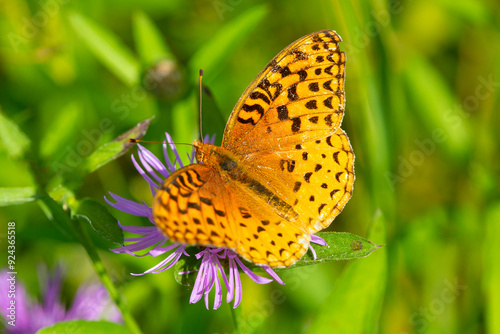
[[194, 206], [316, 178]]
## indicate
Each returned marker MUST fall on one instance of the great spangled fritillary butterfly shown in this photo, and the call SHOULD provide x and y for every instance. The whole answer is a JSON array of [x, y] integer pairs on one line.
[[284, 170]]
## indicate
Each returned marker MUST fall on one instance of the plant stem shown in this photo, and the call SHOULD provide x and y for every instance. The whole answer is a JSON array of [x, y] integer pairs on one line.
[[236, 313], [105, 279]]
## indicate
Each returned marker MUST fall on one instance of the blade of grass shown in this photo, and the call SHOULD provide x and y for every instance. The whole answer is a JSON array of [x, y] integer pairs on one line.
[[436, 105], [108, 48], [148, 40], [492, 269], [371, 125]]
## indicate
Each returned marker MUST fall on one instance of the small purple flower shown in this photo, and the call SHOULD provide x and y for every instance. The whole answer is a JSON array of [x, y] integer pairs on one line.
[[150, 237], [91, 302]]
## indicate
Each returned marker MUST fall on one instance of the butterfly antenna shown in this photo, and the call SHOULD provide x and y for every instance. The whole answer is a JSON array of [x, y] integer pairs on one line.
[[201, 100], [132, 140]]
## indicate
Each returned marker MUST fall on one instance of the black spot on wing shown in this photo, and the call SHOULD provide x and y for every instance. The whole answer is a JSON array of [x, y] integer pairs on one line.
[[296, 187], [307, 177], [296, 124], [311, 104], [282, 112], [336, 157], [292, 92], [313, 87], [302, 75]]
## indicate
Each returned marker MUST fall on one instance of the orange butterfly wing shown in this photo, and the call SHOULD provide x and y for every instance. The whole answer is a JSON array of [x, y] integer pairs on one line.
[[285, 168], [195, 206], [298, 97]]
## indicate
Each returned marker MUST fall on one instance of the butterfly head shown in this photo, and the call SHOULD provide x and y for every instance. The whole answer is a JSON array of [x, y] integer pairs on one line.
[[199, 151], [209, 154]]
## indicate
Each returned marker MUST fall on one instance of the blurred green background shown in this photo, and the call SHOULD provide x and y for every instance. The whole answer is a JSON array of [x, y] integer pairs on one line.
[[422, 92]]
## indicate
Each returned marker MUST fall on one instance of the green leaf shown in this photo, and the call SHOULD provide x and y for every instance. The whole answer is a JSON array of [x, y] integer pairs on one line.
[[13, 139], [116, 148], [216, 51], [148, 40], [108, 48], [84, 326], [15, 196], [341, 246], [492, 269], [186, 269], [354, 304], [100, 220], [54, 211]]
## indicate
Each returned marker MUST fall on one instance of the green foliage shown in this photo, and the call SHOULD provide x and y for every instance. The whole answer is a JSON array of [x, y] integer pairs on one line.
[[352, 305], [107, 48], [14, 196], [13, 139], [422, 92], [103, 223], [83, 326], [342, 246]]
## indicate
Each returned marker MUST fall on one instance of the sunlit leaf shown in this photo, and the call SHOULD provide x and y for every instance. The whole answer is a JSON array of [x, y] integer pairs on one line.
[[13, 139], [14, 196], [116, 148]]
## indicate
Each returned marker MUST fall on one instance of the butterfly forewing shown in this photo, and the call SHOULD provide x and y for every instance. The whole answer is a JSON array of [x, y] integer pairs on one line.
[[299, 96], [192, 207]]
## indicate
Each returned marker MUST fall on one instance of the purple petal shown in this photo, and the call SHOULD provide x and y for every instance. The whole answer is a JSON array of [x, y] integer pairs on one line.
[[143, 230], [162, 250], [167, 263], [312, 251], [170, 166], [273, 275], [152, 185], [254, 277], [147, 162], [174, 150], [238, 291], [92, 302], [230, 284], [129, 206], [318, 240], [154, 162]]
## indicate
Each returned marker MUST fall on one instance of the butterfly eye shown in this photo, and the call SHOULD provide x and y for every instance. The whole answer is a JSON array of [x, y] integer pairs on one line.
[[200, 156]]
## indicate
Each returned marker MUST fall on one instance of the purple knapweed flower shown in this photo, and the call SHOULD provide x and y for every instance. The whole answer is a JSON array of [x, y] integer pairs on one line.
[[151, 237], [23, 314]]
